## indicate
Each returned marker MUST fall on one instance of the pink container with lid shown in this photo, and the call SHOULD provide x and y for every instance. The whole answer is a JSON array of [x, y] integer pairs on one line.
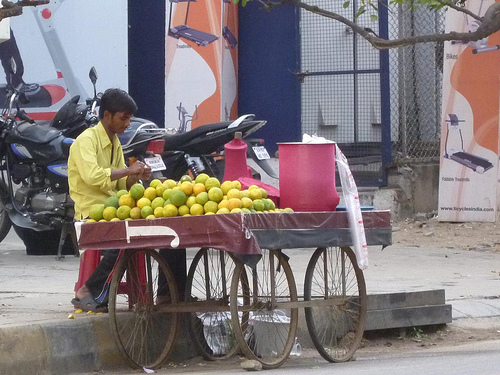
[[307, 176]]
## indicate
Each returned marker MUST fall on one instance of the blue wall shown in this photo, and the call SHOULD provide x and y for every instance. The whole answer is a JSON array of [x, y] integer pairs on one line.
[[146, 40], [268, 56]]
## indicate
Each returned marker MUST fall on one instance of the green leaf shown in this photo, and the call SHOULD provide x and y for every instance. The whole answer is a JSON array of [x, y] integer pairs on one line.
[[346, 4], [361, 10], [244, 2], [374, 17]]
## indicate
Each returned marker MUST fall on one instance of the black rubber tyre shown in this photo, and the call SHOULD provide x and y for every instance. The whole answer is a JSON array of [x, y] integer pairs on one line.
[[5, 223], [264, 331], [44, 242], [209, 279], [336, 329], [143, 333]]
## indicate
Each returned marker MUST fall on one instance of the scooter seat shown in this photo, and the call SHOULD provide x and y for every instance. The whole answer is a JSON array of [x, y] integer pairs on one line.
[[33, 133], [176, 141]]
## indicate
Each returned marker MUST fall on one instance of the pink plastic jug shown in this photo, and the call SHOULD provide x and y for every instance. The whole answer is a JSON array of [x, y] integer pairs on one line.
[[236, 159], [307, 176]]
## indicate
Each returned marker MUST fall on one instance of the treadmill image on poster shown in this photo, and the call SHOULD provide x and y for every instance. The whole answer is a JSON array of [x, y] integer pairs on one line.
[[226, 32], [476, 163], [201, 38]]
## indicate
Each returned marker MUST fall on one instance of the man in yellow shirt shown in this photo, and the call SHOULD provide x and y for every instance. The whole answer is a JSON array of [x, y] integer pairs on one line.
[[96, 168]]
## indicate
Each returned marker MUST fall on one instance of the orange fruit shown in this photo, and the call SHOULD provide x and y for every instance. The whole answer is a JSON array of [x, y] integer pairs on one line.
[[234, 203], [137, 191], [202, 198], [109, 213], [126, 200], [215, 194], [147, 211], [135, 213], [223, 210], [123, 212], [177, 197], [196, 209], [150, 193], [226, 186], [258, 205], [190, 201], [166, 193], [158, 212], [210, 207], [246, 202], [169, 184], [170, 210], [160, 189], [157, 202], [143, 202], [223, 204], [186, 177], [264, 193], [187, 187], [201, 178], [183, 210], [212, 182], [237, 185], [235, 210], [255, 194], [154, 183], [234, 193], [199, 188]]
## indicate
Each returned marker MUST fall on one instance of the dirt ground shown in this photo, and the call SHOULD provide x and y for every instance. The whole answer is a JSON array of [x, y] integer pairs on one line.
[[421, 338], [431, 232]]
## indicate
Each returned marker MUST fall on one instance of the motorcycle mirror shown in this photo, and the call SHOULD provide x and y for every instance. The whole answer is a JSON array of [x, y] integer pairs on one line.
[[93, 75]]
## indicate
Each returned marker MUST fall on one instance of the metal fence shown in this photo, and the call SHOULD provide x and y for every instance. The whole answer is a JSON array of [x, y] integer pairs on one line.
[[415, 86], [340, 91], [342, 100]]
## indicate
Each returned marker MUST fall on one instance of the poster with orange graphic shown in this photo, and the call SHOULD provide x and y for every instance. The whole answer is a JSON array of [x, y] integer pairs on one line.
[[468, 178], [201, 63]]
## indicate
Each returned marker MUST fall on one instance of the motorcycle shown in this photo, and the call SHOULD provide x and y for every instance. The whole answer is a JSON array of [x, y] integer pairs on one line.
[[34, 189], [33, 183]]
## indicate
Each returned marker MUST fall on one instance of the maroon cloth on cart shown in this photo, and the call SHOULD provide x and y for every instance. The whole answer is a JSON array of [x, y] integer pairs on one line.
[[242, 234]]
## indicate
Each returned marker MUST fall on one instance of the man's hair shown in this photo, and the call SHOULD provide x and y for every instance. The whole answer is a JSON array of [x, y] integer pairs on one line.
[[117, 100]]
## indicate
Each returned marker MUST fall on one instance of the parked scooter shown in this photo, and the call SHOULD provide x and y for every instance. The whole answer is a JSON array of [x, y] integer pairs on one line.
[[204, 145]]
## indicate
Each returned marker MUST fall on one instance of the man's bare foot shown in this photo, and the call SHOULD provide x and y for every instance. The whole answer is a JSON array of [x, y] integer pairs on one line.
[[82, 292]]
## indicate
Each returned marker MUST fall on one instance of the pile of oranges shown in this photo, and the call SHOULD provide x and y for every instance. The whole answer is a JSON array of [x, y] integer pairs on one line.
[[203, 196]]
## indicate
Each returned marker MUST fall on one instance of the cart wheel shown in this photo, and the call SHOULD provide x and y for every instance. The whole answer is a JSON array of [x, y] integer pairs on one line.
[[265, 326], [209, 279], [336, 329], [144, 335]]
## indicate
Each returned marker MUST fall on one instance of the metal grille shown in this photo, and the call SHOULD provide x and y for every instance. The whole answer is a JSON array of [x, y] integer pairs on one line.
[[340, 89], [415, 86]]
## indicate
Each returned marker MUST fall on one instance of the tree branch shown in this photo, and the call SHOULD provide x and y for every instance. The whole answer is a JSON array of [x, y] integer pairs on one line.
[[490, 24], [460, 9]]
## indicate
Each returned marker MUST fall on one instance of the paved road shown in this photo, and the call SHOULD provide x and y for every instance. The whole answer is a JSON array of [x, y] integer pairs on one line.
[[475, 358]]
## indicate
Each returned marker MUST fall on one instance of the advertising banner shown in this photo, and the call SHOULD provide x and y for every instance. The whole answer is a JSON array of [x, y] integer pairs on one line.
[[54, 46], [470, 122], [200, 62]]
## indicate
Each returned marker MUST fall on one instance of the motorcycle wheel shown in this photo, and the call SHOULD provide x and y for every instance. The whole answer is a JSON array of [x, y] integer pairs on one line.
[[5, 224], [43, 242]]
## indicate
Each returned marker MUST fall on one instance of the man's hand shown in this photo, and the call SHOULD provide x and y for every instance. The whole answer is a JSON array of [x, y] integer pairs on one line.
[[140, 170]]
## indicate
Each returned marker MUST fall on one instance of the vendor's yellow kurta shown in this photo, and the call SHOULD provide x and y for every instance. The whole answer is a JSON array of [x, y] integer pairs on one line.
[[89, 169]]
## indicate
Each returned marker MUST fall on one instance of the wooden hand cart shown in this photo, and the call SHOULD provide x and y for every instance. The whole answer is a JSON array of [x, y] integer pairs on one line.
[[240, 291]]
